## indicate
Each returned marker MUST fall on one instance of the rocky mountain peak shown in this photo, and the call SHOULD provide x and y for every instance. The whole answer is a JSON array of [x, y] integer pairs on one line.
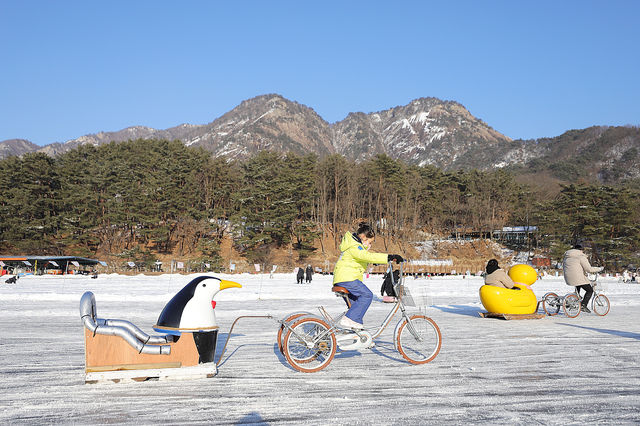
[[16, 147], [266, 122], [426, 131]]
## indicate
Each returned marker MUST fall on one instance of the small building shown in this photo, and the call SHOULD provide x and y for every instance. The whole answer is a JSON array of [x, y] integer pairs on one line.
[[462, 233], [515, 235]]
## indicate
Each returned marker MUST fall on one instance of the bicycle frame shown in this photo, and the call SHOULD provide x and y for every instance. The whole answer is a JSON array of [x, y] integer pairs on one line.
[[594, 285], [398, 306], [310, 341]]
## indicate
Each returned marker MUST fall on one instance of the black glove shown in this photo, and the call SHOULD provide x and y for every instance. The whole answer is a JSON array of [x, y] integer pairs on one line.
[[396, 257]]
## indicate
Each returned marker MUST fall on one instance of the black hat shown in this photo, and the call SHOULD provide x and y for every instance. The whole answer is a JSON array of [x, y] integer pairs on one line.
[[492, 266]]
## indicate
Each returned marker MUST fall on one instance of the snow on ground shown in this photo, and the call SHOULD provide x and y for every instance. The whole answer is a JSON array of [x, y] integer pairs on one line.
[[554, 370]]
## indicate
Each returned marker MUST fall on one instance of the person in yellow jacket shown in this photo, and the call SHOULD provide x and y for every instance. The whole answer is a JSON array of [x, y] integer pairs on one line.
[[354, 259]]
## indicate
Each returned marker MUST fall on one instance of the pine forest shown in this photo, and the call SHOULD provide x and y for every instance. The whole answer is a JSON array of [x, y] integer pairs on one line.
[[144, 199]]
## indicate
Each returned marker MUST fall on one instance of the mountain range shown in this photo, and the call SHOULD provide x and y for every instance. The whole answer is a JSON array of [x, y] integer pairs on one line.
[[427, 131]]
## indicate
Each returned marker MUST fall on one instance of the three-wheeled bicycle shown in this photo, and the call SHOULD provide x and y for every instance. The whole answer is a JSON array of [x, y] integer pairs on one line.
[[571, 303], [309, 342]]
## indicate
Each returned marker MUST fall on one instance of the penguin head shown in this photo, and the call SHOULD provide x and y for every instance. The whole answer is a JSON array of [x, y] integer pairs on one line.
[[193, 306], [205, 291]]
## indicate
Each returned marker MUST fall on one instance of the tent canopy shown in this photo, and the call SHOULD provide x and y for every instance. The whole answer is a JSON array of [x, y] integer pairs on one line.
[[59, 262]]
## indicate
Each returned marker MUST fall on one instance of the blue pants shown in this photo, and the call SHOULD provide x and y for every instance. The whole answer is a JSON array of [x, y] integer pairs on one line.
[[360, 297]]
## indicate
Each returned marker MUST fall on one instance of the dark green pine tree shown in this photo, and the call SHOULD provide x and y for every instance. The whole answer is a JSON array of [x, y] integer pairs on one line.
[[300, 176], [83, 192], [604, 217], [30, 203], [276, 192]]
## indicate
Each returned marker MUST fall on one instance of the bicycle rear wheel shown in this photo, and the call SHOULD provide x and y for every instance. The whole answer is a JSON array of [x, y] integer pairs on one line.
[[571, 305], [420, 342], [308, 346], [551, 304], [281, 330], [601, 305]]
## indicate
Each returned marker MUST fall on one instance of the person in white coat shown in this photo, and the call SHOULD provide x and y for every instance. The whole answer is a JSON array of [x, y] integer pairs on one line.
[[576, 266]]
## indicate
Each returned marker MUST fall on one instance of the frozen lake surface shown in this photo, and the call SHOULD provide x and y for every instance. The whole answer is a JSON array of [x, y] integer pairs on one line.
[[554, 370]]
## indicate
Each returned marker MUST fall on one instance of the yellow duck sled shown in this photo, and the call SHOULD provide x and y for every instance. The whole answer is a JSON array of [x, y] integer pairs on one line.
[[508, 301]]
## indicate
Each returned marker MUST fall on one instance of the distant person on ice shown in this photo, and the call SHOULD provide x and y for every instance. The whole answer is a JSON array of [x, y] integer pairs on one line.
[[308, 272], [575, 266], [353, 261], [300, 275]]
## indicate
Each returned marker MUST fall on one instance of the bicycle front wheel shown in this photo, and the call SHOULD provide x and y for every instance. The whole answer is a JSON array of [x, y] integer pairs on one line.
[[601, 305], [571, 305], [309, 346], [420, 341]]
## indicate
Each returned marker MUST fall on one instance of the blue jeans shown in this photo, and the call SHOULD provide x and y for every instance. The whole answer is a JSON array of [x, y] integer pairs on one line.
[[360, 297]]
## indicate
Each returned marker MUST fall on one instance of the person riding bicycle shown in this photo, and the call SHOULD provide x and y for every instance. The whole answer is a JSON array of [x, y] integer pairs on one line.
[[350, 267], [575, 266]]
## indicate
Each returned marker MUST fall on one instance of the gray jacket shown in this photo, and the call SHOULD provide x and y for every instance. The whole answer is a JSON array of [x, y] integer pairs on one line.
[[575, 266]]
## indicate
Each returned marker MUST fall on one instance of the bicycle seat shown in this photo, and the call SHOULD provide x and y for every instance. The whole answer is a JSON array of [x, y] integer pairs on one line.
[[342, 292]]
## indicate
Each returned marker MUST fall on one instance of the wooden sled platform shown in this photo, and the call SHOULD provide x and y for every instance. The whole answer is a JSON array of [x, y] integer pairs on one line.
[[112, 359], [511, 316], [138, 372]]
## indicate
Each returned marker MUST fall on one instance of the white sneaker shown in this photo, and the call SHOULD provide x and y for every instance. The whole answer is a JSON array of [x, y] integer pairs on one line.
[[347, 322]]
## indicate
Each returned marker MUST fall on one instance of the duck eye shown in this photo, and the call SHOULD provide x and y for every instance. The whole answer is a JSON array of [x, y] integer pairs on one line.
[[204, 285]]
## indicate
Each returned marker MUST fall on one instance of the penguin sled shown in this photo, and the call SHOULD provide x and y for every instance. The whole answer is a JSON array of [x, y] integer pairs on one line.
[[117, 350]]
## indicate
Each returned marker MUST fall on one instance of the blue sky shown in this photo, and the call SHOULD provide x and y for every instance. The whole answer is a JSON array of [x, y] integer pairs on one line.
[[528, 68]]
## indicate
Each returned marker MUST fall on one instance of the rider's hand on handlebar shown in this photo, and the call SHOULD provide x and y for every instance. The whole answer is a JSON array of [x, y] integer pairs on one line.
[[396, 257]]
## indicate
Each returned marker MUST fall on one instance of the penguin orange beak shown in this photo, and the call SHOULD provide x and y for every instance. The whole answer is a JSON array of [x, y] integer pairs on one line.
[[224, 284]]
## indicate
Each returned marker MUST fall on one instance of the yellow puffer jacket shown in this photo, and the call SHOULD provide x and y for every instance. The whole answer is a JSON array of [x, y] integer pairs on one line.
[[354, 260]]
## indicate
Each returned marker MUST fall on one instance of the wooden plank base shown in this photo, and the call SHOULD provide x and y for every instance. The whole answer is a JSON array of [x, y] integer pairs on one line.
[[511, 316], [200, 371], [105, 350], [156, 366]]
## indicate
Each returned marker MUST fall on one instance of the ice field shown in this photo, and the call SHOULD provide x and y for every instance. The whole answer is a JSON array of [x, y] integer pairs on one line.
[[554, 370]]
